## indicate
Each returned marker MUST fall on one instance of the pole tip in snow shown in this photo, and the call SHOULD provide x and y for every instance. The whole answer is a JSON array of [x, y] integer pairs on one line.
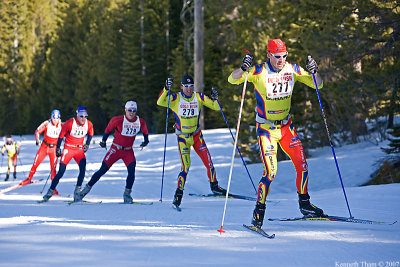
[[220, 230]]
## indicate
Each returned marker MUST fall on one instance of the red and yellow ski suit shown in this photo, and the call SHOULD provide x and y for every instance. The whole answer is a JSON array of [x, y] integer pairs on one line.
[[273, 92]]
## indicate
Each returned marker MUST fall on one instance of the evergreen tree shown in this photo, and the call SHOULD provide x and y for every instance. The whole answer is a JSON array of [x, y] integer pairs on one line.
[[394, 145], [7, 37], [61, 54], [65, 56], [145, 68], [43, 19], [99, 72]]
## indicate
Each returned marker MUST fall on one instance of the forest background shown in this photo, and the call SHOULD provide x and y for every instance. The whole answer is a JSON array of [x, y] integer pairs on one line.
[[59, 54]]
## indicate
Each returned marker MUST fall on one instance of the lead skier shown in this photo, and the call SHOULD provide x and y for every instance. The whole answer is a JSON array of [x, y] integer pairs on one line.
[[273, 85]]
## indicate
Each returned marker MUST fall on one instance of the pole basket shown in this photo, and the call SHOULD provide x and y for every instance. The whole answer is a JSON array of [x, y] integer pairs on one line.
[[220, 230]]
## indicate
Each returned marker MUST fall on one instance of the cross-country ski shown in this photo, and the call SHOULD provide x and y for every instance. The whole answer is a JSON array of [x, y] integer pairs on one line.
[[72, 202], [235, 196], [258, 231], [332, 219], [13, 187]]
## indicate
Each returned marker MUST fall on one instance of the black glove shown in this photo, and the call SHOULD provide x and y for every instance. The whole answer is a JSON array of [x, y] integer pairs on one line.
[[102, 144], [58, 152], [143, 144], [85, 147], [311, 65], [247, 62], [169, 82], [37, 142], [214, 94]]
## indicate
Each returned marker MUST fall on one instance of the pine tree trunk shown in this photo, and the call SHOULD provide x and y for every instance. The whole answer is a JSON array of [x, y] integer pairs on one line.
[[392, 105], [199, 52]]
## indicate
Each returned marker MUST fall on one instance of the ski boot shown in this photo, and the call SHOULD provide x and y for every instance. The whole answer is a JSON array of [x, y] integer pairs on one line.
[[84, 192], [56, 192], [308, 209], [258, 215], [217, 190], [15, 175], [127, 196], [76, 193], [48, 195], [177, 198], [7, 176]]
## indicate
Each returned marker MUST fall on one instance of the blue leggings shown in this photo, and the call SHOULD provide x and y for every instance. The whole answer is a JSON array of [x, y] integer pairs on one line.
[[61, 171], [104, 168]]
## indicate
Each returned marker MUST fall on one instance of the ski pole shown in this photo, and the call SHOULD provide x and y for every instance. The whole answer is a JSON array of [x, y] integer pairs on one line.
[[330, 142], [165, 143], [234, 150], [54, 165], [2, 157], [244, 163], [91, 148]]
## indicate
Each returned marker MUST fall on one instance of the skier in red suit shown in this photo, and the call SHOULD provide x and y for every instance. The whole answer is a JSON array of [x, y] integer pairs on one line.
[[74, 130], [51, 130], [126, 128]]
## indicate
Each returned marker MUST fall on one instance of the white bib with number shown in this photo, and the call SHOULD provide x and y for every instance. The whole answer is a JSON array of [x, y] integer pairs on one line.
[[79, 131], [130, 128], [188, 109], [279, 84], [53, 131]]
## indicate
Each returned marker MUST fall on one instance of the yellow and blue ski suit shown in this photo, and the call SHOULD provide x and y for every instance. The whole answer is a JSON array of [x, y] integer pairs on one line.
[[186, 112], [273, 91]]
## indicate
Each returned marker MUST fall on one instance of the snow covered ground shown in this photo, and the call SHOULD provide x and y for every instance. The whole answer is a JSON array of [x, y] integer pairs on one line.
[[113, 234]]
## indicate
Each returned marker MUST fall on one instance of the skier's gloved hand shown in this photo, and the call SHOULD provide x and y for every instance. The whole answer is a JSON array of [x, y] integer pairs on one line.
[[58, 152], [214, 94], [37, 142], [169, 82], [311, 65], [143, 144], [247, 62], [85, 147], [102, 144]]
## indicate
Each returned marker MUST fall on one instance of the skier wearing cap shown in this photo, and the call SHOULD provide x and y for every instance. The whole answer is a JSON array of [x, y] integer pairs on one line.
[[186, 108], [13, 150], [74, 130], [125, 128], [273, 83], [51, 129]]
